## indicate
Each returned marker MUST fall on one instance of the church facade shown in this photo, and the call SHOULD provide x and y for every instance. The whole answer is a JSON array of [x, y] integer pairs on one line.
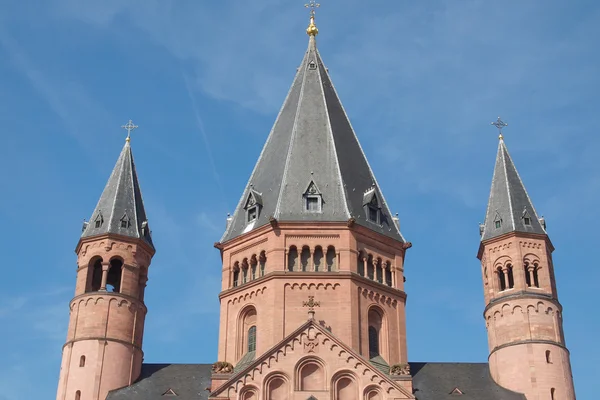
[[312, 303]]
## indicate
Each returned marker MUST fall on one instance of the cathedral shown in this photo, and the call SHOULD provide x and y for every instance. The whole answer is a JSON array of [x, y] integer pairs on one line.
[[312, 301]]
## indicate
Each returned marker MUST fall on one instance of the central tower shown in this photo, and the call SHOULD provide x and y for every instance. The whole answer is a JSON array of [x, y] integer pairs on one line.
[[312, 230]]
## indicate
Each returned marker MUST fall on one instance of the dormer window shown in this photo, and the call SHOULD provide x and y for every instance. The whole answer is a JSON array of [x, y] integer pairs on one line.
[[497, 221], [312, 199], [99, 220], [125, 221], [372, 206], [253, 206], [526, 217], [312, 65]]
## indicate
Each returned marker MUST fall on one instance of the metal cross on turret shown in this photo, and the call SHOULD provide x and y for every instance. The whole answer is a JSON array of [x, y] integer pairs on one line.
[[129, 127], [312, 4], [312, 28], [499, 124]]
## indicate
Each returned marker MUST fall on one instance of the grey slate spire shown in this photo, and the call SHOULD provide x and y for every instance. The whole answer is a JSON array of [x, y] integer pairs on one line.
[[120, 209], [509, 208], [312, 155]]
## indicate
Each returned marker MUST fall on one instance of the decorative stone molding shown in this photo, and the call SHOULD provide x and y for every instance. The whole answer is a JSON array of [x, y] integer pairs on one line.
[[312, 285], [248, 295]]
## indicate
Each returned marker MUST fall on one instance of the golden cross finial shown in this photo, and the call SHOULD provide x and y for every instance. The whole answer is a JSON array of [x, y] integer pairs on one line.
[[129, 127], [312, 28]]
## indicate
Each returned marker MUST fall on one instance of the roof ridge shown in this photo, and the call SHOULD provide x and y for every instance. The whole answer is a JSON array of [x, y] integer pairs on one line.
[[510, 205]]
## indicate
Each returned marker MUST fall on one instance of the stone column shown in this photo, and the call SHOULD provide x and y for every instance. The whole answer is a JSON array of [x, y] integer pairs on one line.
[[105, 268]]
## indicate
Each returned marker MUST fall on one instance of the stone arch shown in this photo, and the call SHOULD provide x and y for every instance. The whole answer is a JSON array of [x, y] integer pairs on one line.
[[277, 387], [247, 319], [292, 258], [379, 270], [330, 259], [114, 277], [370, 267], [94, 274], [318, 259], [253, 267], [372, 392], [305, 259], [249, 392], [245, 266], [310, 374], [236, 274], [344, 386], [262, 262], [388, 273]]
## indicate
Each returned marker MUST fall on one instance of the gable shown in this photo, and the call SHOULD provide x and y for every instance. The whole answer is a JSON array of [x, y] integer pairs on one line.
[[313, 361]]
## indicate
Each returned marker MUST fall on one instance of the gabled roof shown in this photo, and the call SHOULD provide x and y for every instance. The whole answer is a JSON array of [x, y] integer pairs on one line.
[[312, 141], [439, 381], [187, 381], [120, 209], [509, 204], [333, 342]]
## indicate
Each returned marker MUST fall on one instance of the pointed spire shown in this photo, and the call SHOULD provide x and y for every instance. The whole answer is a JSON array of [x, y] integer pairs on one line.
[[120, 209], [509, 207], [312, 167]]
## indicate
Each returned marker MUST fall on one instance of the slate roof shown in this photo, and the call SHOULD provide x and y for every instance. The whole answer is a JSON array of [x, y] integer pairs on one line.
[[437, 381], [120, 209], [509, 202], [432, 381], [312, 140], [187, 381]]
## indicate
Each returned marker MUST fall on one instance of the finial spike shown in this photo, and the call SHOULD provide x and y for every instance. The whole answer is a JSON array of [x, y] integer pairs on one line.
[[312, 28], [499, 124], [129, 127]]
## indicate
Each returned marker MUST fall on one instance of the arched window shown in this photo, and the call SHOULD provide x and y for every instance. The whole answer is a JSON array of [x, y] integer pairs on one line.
[[373, 342], [330, 259], [113, 280], [375, 331], [246, 331], [252, 339], [262, 260], [536, 281], [511, 279], [388, 274], [78, 395], [318, 258], [370, 268], [548, 357], [305, 258], [292, 258], [501, 281], [81, 361], [96, 266], [236, 274]]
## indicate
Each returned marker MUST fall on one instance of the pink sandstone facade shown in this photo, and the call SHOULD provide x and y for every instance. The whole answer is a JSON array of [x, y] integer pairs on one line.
[[312, 302], [104, 341], [523, 317]]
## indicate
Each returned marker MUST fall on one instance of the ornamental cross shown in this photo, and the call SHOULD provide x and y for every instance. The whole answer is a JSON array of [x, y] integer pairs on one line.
[[129, 127], [312, 4], [499, 124], [311, 303]]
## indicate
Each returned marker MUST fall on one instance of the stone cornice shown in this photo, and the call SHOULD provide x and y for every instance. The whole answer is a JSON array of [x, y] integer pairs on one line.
[[117, 237], [508, 235], [104, 339], [528, 341], [522, 294], [321, 276], [126, 297]]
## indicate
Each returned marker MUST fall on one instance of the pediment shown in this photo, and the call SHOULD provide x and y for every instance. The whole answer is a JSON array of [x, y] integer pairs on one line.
[[310, 341]]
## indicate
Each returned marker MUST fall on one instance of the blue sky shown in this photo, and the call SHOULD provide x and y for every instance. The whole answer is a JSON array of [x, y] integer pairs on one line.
[[421, 82]]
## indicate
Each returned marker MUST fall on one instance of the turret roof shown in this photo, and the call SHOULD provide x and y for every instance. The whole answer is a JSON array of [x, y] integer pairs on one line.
[[120, 209], [509, 207], [312, 150]]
